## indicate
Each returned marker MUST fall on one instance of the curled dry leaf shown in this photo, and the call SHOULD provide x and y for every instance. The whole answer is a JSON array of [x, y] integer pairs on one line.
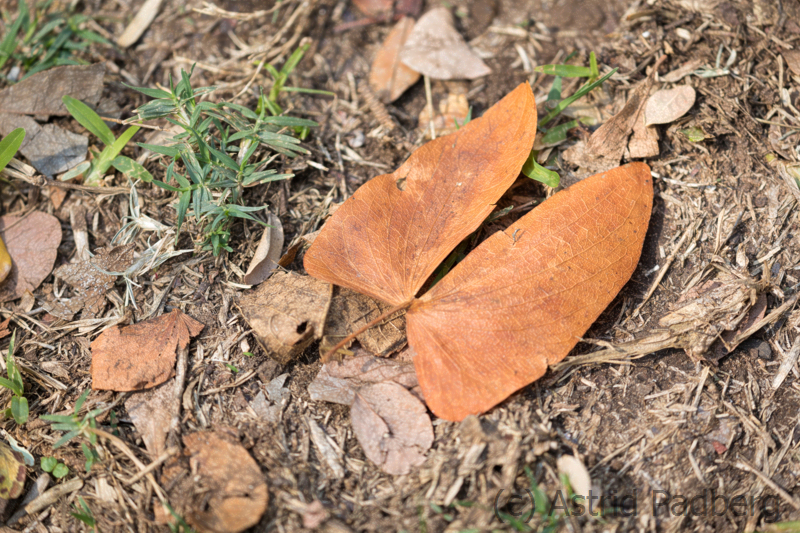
[[350, 311], [521, 300], [91, 280], [389, 77], [338, 382], [387, 239], [268, 252], [142, 355], [436, 49], [32, 243], [287, 313], [392, 426], [151, 414], [668, 105], [230, 493], [576, 472]]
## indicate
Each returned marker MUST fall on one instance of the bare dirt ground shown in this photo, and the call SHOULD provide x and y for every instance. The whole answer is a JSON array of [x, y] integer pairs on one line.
[[643, 426]]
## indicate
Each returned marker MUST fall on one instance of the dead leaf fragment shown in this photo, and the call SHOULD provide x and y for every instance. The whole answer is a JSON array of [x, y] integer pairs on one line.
[[32, 243], [151, 414], [338, 382], [389, 237], [91, 280], [230, 491], [521, 300], [644, 141], [268, 252], [4, 331], [287, 313], [792, 58], [389, 77], [49, 148], [374, 8], [144, 17], [682, 71], [41, 93], [435, 48], [143, 355], [452, 114], [668, 105], [392, 426], [350, 311]]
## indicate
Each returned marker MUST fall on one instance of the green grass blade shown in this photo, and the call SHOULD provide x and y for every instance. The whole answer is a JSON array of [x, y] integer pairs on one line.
[[10, 145], [90, 120], [565, 71], [537, 172], [580, 93]]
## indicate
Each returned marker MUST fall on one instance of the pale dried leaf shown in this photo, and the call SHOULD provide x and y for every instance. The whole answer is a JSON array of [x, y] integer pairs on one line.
[[668, 105], [143, 355], [792, 58], [268, 252], [682, 71], [392, 426], [151, 414], [576, 472], [287, 313], [231, 493], [452, 114], [374, 8], [389, 77], [338, 382], [32, 242], [644, 141], [144, 17], [436, 49], [325, 448], [49, 148]]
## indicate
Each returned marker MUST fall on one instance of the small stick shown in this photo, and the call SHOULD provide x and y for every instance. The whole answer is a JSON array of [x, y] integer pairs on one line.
[[384, 316], [430, 105]]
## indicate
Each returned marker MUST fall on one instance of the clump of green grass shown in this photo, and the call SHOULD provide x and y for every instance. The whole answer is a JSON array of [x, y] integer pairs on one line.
[[46, 37]]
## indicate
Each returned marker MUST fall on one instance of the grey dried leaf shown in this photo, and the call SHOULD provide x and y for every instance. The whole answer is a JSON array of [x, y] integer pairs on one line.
[[392, 426], [32, 242], [287, 313], [41, 93], [93, 278], [669, 105], [338, 382], [49, 148], [151, 414], [644, 141], [268, 252], [435, 48]]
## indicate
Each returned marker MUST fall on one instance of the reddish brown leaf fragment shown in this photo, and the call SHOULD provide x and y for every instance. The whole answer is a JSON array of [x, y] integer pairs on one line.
[[32, 242], [230, 491], [521, 300], [388, 238], [374, 8], [142, 355], [388, 77]]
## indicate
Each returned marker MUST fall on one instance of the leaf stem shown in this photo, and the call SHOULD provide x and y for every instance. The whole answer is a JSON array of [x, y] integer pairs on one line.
[[400, 307]]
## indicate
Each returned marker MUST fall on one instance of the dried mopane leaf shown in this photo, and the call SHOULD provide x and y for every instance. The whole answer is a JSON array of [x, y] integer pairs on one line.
[[151, 414], [392, 426], [92, 279], [143, 355], [452, 114], [338, 382], [644, 141], [522, 299], [350, 311], [389, 77], [387, 239], [268, 252], [32, 242], [230, 493], [605, 147], [668, 105], [436, 49], [374, 8], [287, 313]]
